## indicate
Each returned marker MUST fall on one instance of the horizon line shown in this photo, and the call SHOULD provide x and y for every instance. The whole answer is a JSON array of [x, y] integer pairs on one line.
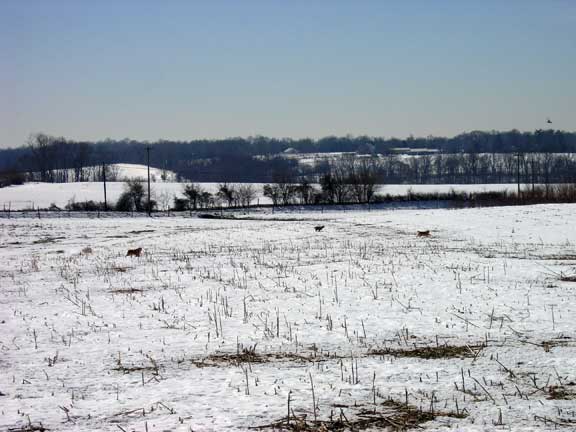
[[315, 139]]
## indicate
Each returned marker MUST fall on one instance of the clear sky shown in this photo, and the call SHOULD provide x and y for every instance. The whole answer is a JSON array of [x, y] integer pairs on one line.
[[184, 69]]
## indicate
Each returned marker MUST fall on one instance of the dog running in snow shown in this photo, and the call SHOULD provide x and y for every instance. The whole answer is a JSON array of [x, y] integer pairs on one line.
[[319, 228], [423, 233], [134, 252]]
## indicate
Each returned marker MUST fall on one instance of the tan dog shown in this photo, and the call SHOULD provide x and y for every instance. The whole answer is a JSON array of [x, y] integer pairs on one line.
[[423, 233], [134, 252]]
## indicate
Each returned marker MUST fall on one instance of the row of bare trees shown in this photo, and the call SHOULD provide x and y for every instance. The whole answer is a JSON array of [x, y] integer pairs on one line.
[[345, 180], [480, 168], [52, 159], [353, 179], [195, 197]]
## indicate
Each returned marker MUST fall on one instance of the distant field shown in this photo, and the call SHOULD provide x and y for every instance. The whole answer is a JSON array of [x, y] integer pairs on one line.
[[44, 194], [132, 171]]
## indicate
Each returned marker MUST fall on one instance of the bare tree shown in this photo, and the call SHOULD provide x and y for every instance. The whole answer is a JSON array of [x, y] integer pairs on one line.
[[227, 192], [206, 200], [363, 176], [164, 200], [283, 191], [305, 191], [246, 193], [272, 191], [80, 160], [192, 192], [43, 156]]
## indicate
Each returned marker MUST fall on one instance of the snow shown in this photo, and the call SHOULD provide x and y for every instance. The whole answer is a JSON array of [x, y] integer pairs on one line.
[[134, 171], [42, 195], [93, 340]]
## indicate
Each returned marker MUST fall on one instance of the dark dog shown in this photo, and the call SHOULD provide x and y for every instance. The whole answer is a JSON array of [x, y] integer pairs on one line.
[[319, 228], [134, 252], [423, 233]]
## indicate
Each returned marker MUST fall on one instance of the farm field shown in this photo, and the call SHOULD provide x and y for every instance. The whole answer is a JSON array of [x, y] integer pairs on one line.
[[43, 195], [266, 322]]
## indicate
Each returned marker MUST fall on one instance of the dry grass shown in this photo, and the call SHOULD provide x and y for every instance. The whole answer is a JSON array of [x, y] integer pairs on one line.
[[247, 356], [28, 428], [557, 342], [434, 352], [389, 415], [126, 369], [560, 257], [131, 369], [560, 393], [127, 291], [48, 240], [120, 269]]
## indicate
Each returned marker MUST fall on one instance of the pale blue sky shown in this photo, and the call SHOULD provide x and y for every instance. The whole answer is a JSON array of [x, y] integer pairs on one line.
[[207, 69]]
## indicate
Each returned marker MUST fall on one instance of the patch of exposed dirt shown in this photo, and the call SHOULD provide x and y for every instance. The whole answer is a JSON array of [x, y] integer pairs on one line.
[[432, 352], [127, 291], [560, 257], [31, 427], [249, 355], [120, 269], [225, 359], [126, 369], [562, 392], [389, 415], [214, 216], [547, 345], [48, 240]]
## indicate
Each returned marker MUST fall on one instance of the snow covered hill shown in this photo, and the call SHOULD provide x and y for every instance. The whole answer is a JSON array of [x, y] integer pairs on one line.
[[133, 171]]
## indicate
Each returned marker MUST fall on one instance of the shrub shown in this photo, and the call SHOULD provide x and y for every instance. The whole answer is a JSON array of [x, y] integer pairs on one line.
[[82, 206]]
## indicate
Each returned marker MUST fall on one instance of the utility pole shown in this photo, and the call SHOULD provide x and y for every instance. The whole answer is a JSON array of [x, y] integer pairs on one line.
[[532, 169], [148, 159], [518, 171], [104, 178]]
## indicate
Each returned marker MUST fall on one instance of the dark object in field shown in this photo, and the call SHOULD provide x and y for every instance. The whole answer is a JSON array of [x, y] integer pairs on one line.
[[215, 216], [423, 233], [548, 121], [319, 228], [134, 252]]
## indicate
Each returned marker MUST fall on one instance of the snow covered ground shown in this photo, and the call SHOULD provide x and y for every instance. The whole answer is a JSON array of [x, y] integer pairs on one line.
[[220, 322], [34, 195], [134, 171]]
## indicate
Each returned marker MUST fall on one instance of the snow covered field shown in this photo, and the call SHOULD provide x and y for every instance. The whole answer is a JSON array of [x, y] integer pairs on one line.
[[34, 195], [135, 171], [221, 322]]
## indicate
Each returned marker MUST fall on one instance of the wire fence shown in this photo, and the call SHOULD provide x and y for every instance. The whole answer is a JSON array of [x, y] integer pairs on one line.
[[235, 212]]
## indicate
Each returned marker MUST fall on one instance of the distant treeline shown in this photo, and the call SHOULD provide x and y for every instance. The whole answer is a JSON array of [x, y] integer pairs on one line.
[[542, 156]]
